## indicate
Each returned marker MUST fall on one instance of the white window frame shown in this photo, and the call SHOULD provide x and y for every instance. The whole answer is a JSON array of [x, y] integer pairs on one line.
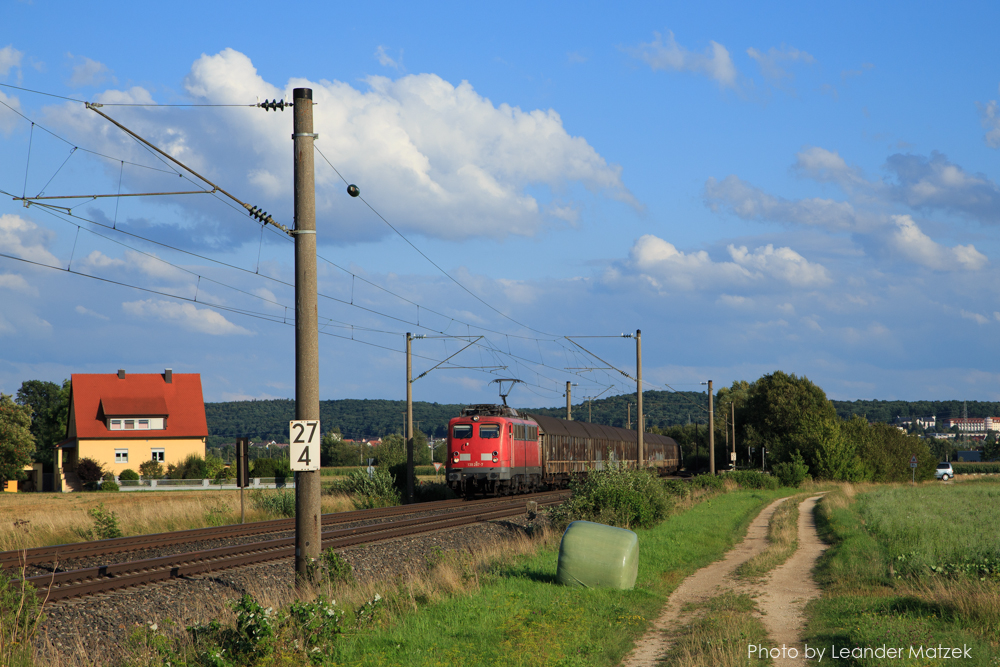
[[121, 456], [114, 424], [142, 424], [162, 454]]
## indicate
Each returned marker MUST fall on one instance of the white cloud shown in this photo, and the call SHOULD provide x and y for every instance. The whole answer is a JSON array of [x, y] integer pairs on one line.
[[715, 63], [9, 121], [90, 313], [87, 72], [23, 238], [185, 315], [989, 116], [385, 60], [662, 265], [751, 203], [148, 264], [433, 157], [975, 317], [782, 264], [10, 58], [770, 63], [920, 248], [16, 283], [934, 182]]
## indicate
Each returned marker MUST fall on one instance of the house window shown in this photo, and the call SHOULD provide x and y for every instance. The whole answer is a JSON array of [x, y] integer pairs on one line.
[[158, 455], [116, 425], [121, 456], [129, 424], [143, 424]]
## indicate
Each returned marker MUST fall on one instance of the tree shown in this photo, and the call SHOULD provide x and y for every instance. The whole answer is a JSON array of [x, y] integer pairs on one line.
[[786, 413], [991, 447], [151, 469], [17, 444], [392, 451], [333, 451], [49, 405]]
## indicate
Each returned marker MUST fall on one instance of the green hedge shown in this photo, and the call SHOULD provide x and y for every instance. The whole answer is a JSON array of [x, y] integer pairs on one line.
[[344, 471], [974, 468]]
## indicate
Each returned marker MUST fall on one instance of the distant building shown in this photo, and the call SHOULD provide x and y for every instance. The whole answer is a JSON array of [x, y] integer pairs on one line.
[[122, 420], [923, 422], [973, 424]]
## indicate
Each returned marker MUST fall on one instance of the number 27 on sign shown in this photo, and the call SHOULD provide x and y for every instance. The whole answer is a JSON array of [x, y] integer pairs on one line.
[[304, 444]]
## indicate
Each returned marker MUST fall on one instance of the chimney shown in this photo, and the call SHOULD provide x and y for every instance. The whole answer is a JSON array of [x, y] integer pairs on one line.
[[121, 373], [168, 375]]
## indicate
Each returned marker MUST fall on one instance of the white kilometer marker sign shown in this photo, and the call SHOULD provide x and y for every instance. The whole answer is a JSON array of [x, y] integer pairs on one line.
[[303, 435]]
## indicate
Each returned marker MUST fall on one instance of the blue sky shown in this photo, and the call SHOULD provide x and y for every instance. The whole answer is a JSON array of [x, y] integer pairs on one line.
[[775, 186]]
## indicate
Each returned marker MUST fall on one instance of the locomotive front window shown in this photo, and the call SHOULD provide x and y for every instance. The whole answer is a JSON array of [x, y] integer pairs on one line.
[[461, 431], [489, 431]]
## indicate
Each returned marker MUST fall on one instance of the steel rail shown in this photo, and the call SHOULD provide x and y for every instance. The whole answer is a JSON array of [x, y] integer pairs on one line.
[[15, 559], [88, 581]]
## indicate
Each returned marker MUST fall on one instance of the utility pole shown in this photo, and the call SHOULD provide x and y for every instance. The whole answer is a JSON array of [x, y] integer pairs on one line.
[[732, 407], [307, 484], [711, 431], [640, 454], [409, 418], [569, 409]]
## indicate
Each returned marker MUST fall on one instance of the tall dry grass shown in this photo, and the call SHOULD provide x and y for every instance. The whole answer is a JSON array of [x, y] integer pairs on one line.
[[782, 540], [44, 519]]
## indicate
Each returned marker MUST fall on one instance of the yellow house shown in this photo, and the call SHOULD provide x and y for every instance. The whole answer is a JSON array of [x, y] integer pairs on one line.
[[122, 420]]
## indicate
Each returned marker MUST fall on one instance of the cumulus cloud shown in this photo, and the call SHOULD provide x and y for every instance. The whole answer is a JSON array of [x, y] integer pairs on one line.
[[909, 240], [662, 265], [752, 203], [823, 165], [23, 238], [772, 63], [10, 58], [434, 157], [87, 72], [715, 62], [185, 315], [975, 317], [90, 313], [9, 121], [147, 264]]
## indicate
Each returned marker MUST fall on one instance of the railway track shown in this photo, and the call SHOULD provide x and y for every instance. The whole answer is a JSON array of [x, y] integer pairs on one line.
[[105, 578], [66, 552]]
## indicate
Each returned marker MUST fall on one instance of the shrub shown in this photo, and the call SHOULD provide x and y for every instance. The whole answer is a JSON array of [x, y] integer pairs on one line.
[[617, 496], [193, 467], [129, 475], [109, 483], [280, 503], [89, 471], [319, 623], [707, 482], [271, 468], [337, 569], [753, 479], [225, 474], [253, 637], [377, 490], [20, 615], [151, 470], [105, 523], [792, 473]]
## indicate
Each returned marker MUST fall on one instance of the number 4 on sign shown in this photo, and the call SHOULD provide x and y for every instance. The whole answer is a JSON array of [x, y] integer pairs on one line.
[[304, 444]]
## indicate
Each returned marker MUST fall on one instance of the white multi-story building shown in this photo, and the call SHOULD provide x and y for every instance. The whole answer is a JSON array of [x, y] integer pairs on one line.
[[974, 424]]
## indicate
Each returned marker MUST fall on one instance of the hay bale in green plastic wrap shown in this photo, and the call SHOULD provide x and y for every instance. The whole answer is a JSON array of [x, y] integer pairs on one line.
[[593, 555]]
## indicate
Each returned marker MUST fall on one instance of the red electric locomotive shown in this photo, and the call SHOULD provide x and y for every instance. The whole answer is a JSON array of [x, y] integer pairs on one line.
[[492, 449]]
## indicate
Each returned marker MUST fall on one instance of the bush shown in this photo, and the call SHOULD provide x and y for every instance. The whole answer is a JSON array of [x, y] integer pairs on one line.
[[193, 467], [105, 523], [129, 475], [792, 473], [151, 470], [707, 482], [753, 479], [252, 639], [337, 569], [377, 490], [89, 471], [109, 483], [280, 503], [20, 615], [616, 496], [278, 468]]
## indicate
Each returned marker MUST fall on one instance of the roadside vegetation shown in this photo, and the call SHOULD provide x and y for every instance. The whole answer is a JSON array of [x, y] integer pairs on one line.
[[500, 604], [910, 566]]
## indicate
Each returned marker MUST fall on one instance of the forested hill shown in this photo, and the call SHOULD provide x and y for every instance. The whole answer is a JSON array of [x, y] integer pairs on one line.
[[268, 420], [887, 411]]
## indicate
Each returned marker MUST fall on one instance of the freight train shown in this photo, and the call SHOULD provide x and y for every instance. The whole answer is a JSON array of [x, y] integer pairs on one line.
[[493, 449]]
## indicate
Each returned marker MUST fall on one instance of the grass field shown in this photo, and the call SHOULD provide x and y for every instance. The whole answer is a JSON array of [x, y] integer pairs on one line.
[[43, 519], [910, 566]]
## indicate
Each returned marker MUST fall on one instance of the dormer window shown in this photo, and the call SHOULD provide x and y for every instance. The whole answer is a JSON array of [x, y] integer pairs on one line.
[[136, 423]]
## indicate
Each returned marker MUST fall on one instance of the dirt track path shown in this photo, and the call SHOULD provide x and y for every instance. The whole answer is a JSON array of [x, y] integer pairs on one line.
[[782, 596]]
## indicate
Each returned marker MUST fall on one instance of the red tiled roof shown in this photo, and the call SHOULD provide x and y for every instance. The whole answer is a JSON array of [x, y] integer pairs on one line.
[[99, 395], [134, 406]]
